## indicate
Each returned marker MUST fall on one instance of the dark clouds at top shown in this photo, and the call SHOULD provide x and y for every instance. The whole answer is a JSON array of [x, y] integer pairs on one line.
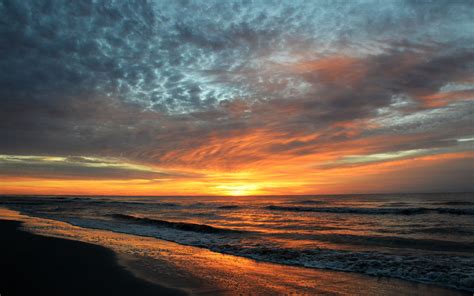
[[141, 79]]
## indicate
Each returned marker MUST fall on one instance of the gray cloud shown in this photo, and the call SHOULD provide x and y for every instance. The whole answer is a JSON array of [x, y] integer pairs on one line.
[[161, 53]]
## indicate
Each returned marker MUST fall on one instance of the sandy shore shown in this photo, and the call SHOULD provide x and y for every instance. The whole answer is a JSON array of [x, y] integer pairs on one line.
[[38, 265], [158, 264]]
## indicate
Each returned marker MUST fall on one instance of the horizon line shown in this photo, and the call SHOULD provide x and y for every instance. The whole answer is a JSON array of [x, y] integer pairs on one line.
[[256, 195]]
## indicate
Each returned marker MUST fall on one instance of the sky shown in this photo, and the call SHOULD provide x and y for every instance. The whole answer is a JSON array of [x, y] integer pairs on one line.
[[236, 97]]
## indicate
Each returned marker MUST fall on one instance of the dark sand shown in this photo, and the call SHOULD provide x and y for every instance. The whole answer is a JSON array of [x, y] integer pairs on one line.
[[38, 265]]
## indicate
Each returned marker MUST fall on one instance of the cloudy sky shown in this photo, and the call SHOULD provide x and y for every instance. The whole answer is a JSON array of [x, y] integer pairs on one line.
[[236, 97]]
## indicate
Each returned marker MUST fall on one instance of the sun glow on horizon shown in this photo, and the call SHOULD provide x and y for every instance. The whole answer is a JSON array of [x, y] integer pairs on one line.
[[238, 189], [275, 178]]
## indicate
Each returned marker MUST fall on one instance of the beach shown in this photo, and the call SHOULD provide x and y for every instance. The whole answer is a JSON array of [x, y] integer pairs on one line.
[[38, 265], [46, 257]]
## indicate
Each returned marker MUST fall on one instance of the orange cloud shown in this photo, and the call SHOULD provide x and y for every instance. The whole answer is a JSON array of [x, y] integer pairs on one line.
[[279, 174], [441, 99]]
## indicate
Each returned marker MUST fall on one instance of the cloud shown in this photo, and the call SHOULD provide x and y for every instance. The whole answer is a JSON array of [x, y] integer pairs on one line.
[[88, 168], [229, 86]]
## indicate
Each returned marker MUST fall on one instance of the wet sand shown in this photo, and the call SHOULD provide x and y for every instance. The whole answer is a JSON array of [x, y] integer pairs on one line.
[[203, 272], [38, 265]]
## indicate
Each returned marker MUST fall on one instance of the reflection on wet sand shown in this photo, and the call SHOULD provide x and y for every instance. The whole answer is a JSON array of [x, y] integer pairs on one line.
[[204, 272]]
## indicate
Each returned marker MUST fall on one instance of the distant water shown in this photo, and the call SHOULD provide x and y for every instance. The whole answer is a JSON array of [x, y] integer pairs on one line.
[[420, 237]]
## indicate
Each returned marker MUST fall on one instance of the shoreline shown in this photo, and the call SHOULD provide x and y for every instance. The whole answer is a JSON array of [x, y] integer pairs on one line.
[[203, 272], [39, 265]]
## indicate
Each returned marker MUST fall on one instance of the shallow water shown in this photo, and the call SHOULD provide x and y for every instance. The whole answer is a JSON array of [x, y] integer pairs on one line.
[[420, 237]]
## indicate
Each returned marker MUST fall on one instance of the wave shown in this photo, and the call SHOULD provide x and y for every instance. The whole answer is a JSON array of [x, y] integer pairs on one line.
[[445, 270], [374, 211], [443, 230], [455, 203], [307, 202], [80, 201], [362, 240], [19, 203], [395, 242], [184, 226], [455, 211], [229, 207], [134, 203]]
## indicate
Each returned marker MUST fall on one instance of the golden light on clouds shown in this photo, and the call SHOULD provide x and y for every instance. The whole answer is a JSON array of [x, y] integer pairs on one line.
[[355, 173]]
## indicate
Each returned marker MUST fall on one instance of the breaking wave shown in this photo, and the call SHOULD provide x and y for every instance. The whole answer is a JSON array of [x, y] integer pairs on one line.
[[394, 242], [450, 271], [201, 228]]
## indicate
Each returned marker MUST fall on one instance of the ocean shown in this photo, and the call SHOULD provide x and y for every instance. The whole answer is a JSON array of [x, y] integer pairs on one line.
[[426, 238]]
